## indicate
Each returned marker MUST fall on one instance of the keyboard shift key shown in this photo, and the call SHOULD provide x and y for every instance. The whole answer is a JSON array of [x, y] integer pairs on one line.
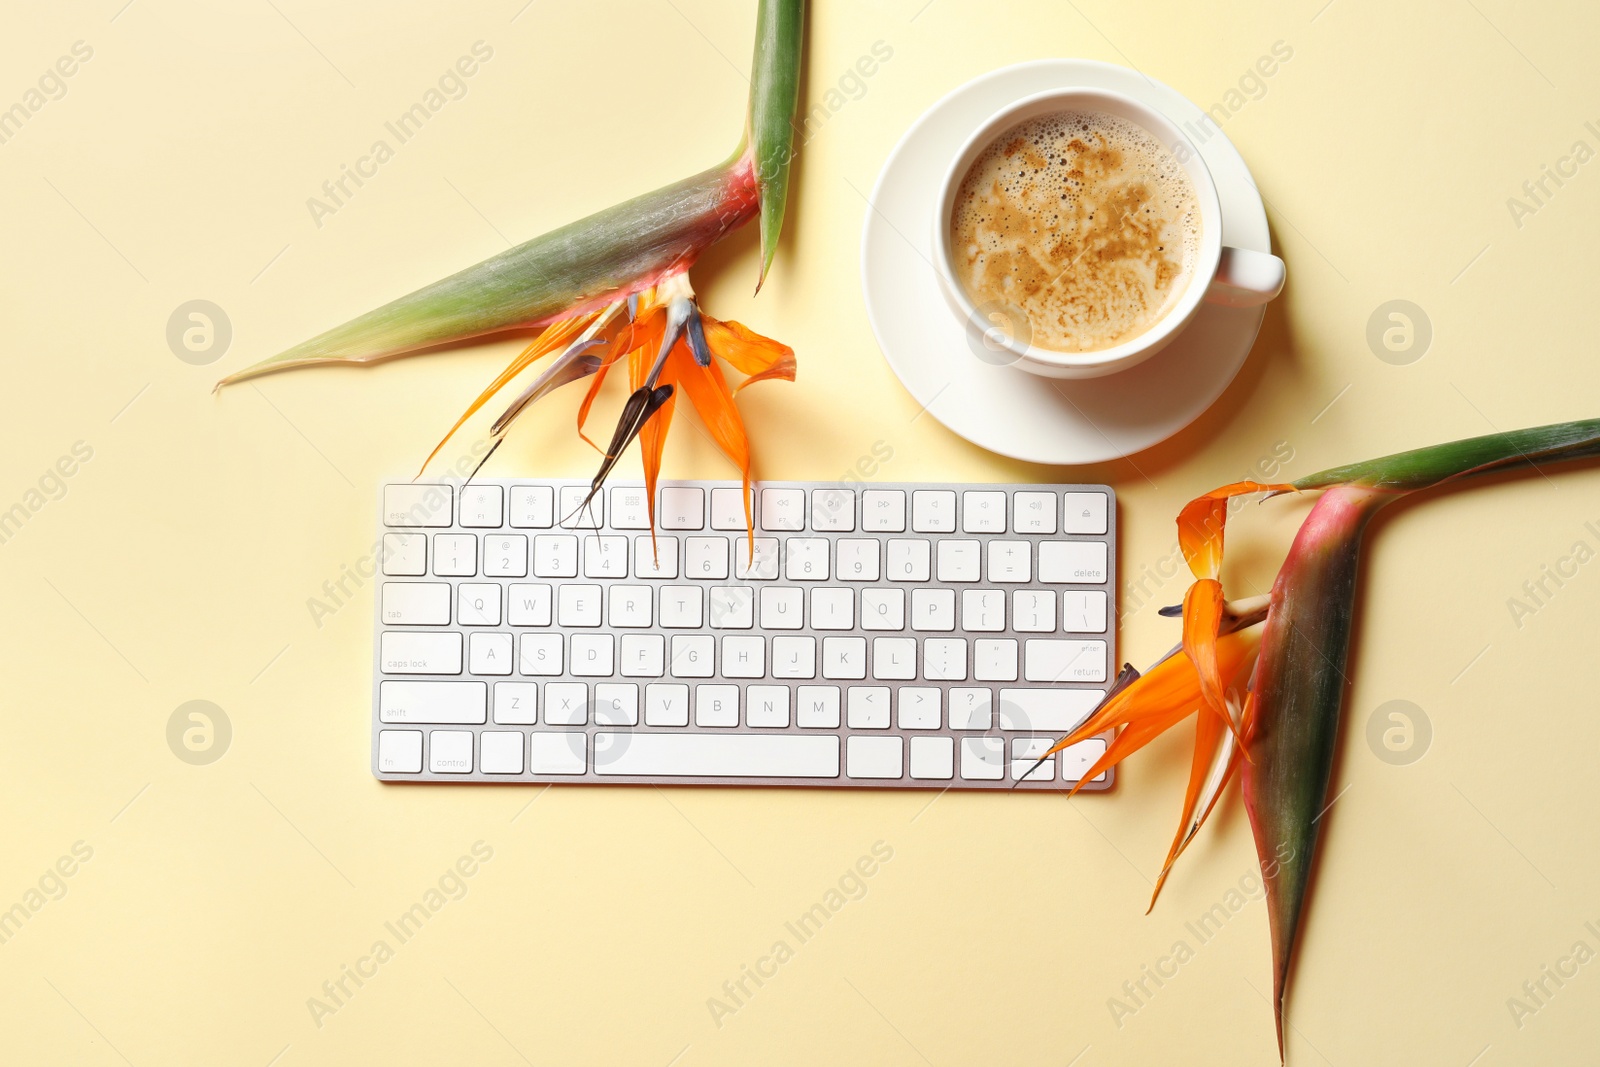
[[433, 702]]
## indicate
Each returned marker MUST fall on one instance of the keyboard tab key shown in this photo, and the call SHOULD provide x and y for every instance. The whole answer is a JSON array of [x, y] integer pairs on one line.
[[533, 507], [933, 511], [1033, 513], [683, 508], [883, 511], [783, 509], [1083, 513], [482, 506], [833, 510], [416, 603], [417, 505], [983, 512]]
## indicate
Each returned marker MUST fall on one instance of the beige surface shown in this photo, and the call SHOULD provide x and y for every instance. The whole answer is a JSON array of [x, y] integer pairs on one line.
[[179, 562]]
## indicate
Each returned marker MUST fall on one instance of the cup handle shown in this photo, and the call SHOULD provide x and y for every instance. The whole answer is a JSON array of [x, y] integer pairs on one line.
[[1245, 278]]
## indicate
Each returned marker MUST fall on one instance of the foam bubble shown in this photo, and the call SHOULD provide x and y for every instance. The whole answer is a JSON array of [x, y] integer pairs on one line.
[[1081, 220]]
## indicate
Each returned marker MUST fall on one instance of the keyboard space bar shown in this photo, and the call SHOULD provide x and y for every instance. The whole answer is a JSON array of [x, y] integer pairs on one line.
[[717, 755]]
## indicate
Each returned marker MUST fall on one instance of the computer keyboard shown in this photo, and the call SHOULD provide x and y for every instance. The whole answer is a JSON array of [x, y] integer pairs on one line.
[[913, 636]]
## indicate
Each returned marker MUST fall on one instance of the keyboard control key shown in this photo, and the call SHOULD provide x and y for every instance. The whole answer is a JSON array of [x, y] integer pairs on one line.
[[450, 751], [417, 505], [874, 757], [1083, 513], [883, 511], [933, 511], [783, 509], [400, 751]]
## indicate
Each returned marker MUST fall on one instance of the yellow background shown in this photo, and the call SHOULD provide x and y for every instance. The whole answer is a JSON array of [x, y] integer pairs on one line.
[[179, 562]]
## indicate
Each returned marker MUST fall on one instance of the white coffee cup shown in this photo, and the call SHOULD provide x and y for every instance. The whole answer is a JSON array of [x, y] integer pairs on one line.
[[1236, 277]]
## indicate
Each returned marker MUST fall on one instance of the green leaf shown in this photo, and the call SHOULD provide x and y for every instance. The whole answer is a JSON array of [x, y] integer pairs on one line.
[[1422, 467], [774, 95]]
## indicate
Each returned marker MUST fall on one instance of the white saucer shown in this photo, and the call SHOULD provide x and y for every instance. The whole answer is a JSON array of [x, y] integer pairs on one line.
[[1006, 409]]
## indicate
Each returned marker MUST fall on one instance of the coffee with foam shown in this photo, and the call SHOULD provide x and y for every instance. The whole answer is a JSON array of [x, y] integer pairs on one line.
[[1082, 221]]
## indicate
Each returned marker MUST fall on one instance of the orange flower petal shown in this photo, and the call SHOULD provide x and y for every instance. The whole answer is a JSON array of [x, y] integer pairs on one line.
[[1202, 520], [708, 391], [748, 352], [1202, 618]]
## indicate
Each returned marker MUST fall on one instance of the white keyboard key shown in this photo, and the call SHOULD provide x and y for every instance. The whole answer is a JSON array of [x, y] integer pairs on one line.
[[666, 704], [727, 509], [716, 705], [917, 708], [983, 610], [516, 703], [528, 605], [482, 506], [658, 560], [593, 655], [933, 610], [833, 609], [500, 752], [705, 557], [566, 704], [971, 709], [817, 707], [731, 607], [767, 706], [533, 507], [1010, 561], [883, 609], [983, 758], [944, 659], [558, 753], [744, 657], [1076, 760], [794, 657], [762, 566], [490, 654], [570, 499], [983, 512], [688, 755], [933, 511], [1083, 613], [578, 605], [1033, 513], [1083, 562], [783, 509], [458, 703], [555, 556], [616, 704], [1084, 513], [683, 508], [629, 605], [630, 508], [844, 658], [417, 505], [833, 510], [894, 658], [1033, 611], [933, 758], [874, 757], [605, 557], [959, 560], [857, 559], [539, 654], [1032, 770], [450, 751], [400, 751], [643, 656], [414, 653], [1047, 660], [994, 660], [455, 555], [682, 607], [505, 556], [908, 560], [782, 608], [693, 655], [1054, 711], [478, 604], [405, 554], [883, 511], [808, 559], [416, 603]]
